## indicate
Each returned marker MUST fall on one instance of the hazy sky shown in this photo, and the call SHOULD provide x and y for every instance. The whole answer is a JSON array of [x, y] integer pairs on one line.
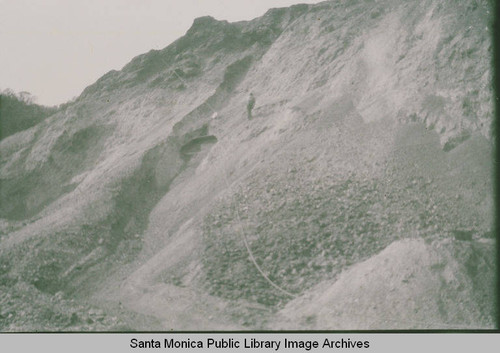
[[55, 48]]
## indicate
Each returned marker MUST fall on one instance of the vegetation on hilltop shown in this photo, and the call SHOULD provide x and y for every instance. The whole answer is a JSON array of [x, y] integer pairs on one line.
[[19, 112]]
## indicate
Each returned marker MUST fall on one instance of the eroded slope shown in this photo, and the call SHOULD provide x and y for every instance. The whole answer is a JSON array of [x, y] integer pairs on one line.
[[372, 124]]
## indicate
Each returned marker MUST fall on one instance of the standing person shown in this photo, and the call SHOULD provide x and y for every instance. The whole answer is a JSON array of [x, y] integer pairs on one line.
[[250, 105]]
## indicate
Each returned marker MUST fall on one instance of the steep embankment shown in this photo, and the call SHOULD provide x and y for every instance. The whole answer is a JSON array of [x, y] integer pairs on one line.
[[372, 125], [443, 285]]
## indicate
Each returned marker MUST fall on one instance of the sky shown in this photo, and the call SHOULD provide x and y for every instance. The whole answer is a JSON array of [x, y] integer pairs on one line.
[[55, 48]]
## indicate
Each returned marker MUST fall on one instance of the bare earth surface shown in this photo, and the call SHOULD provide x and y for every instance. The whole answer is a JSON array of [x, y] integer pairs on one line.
[[359, 196]]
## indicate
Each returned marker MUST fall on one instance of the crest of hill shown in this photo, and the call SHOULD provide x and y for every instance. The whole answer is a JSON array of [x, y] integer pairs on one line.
[[207, 37]]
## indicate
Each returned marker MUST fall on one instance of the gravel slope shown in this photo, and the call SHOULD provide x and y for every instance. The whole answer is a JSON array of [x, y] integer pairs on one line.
[[371, 127]]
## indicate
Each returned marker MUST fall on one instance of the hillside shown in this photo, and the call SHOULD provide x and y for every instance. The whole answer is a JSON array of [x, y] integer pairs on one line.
[[152, 202]]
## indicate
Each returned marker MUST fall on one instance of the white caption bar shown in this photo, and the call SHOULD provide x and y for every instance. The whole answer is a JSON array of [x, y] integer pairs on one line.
[[251, 342]]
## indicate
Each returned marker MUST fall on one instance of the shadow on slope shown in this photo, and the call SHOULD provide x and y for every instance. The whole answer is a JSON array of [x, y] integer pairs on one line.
[[24, 196], [134, 199], [75, 260]]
